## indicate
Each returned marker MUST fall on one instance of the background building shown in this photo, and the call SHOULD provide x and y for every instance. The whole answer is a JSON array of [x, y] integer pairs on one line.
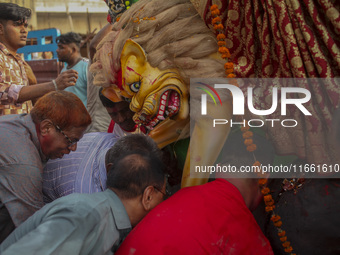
[[81, 16]]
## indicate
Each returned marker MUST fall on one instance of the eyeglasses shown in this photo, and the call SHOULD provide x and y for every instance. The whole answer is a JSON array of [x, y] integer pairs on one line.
[[166, 194], [70, 142]]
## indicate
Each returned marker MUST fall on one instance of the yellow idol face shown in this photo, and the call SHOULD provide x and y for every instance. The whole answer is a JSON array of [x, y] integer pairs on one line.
[[156, 96]]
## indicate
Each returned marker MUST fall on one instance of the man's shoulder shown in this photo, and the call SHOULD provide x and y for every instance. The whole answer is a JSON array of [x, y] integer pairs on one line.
[[82, 203]]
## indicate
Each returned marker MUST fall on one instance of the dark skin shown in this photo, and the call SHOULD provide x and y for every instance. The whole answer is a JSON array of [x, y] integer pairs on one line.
[[122, 115], [69, 53]]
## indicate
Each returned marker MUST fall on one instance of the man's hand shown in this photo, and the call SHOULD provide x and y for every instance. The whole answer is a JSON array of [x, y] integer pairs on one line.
[[66, 79]]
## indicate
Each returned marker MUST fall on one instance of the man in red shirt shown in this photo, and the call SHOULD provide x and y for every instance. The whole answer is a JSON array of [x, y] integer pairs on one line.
[[208, 219]]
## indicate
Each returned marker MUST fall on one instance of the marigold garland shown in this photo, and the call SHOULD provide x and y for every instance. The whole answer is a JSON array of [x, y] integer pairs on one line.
[[247, 135], [267, 197], [219, 28]]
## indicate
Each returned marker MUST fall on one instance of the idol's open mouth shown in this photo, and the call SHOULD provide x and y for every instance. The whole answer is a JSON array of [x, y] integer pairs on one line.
[[168, 107]]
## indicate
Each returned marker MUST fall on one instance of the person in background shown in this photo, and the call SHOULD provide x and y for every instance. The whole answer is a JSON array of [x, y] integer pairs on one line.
[[15, 94], [69, 52], [121, 116], [51, 130], [85, 171], [100, 119], [94, 223]]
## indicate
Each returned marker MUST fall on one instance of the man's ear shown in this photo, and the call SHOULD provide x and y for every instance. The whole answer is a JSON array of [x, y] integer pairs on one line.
[[45, 127], [147, 197], [2, 28], [108, 166]]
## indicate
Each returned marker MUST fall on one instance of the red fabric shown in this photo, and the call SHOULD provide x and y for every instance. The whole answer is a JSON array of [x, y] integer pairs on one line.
[[207, 219], [111, 127]]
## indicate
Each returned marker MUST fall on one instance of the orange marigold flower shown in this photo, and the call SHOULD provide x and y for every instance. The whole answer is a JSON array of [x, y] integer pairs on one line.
[[216, 20], [221, 43], [251, 147], [229, 71], [247, 134], [228, 65], [281, 233], [269, 203], [231, 75], [223, 50], [263, 181], [283, 239], [286, 244], [218, 27], [214, 7], [269, 208], [244, 129], [289, 249], [215, 12], [267, 198], [278, 224], [275, 218], [220, 37], [248, 142], [226, 55], [265, 191]]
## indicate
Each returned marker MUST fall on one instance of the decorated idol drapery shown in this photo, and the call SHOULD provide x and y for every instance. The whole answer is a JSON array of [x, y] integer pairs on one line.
[[287, 39]]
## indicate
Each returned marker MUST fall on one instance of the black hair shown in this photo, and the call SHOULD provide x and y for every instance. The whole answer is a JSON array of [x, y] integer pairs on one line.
[[135, 171], [105, 101], [68, 38], [130, 143], [14, 12]]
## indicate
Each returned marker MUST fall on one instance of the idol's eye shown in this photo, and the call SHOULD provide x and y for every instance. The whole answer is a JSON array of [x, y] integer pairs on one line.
[[135, 86]]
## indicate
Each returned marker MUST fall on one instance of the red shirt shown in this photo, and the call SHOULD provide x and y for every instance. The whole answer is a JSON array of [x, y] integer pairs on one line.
[[207, 219]]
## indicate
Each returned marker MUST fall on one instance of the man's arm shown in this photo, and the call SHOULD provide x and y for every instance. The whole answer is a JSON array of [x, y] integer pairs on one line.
[[64, 80], [64, 227]]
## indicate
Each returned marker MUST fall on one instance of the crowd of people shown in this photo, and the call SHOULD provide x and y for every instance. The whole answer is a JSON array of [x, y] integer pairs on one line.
[[79, 176]]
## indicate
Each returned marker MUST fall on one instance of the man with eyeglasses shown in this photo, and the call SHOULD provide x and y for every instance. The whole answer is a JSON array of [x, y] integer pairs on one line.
[[52, 129], [94, 223]]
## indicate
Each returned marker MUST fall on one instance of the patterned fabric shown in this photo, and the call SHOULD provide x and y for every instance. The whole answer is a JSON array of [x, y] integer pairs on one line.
[[297, 39], [12, 79], [84, 224], [81, 171], [116, 8]]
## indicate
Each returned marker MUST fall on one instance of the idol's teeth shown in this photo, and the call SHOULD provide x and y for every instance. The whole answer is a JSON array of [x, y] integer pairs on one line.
[[142, 118], [172, 107]]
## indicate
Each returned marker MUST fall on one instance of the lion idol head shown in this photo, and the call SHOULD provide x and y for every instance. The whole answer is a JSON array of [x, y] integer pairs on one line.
[[148, 60]]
